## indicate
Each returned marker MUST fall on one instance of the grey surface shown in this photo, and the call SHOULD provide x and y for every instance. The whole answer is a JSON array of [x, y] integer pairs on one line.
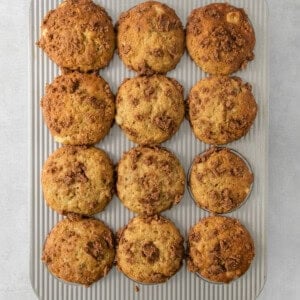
[[284, 205]]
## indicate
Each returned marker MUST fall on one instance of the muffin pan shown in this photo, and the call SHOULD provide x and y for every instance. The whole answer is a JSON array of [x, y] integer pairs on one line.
[[254, 147]]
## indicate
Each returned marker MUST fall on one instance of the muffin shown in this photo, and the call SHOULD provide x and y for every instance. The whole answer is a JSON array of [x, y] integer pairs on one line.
[[150, 38], [78, 179], [78, 35], [220, 180], [150, 249], [150, 180], [220, 249], [150, 109], [79, 250], [220, 38], [221, 109], [78, 109]]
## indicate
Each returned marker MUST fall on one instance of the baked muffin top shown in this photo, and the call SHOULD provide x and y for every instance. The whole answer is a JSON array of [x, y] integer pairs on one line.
[[150, 109], [150, 249], [78, 35], [78, 179], [149, 180], [220, 180], [221, 109], [150, 38], [220, 249], [79, 250], [220, 38], [78, 108]]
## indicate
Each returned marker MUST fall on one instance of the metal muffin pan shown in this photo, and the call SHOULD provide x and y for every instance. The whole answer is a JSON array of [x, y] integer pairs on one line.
[[254, 146]]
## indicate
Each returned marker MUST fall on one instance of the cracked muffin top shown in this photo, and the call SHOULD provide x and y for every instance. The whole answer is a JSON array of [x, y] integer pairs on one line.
[[220, 180], [150, 180], [78, 108], [150, 109], [150, 249], [150, 38], [221, 109], [220, 38], [220, 249], [78, 179], [79, 250], [78, 35]]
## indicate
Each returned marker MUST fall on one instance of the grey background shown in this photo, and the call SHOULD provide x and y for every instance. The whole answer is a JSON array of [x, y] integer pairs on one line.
[[283, 280]]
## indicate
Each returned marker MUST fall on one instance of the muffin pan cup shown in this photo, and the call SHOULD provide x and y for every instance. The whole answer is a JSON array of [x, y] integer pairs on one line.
[[246, 198]]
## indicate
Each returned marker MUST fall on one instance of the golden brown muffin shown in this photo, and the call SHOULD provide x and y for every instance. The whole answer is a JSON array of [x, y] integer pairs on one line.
[[79, 250], [150, 38], [150, 109], [78, 109], [221, 109], [78, 35], [220, 249], [220, 180], [78, 179], [220, 38], [150, 180], [150, 249]]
